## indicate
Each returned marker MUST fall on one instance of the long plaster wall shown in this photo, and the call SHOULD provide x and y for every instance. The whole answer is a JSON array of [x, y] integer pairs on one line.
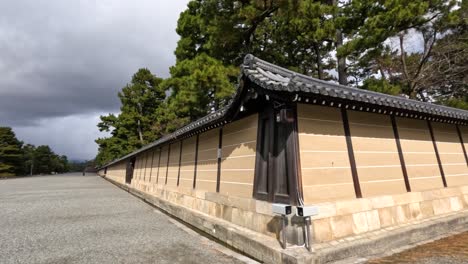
[[184, 164], [238, 157], [326, 164], [451, 154], [117, 172], [376, 154], [325, 168]]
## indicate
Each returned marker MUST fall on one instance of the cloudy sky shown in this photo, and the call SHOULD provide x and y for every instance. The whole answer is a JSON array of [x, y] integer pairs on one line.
[[62, 63]]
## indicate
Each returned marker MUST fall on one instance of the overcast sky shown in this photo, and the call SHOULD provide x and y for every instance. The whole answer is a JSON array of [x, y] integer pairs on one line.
[[62, 63]]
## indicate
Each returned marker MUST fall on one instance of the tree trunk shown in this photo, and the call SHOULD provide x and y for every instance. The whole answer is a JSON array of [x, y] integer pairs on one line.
[[140, 134], [318, 57], [341, 60]]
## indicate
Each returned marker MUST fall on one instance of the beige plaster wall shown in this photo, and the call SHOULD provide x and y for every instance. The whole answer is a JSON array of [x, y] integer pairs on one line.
[[325, 168], [187, 165], [173, 169], [161, 179], [150, 169], [117, 171], [376, 154], [238, 157], [418, 151], [207, 165], [451, 154]]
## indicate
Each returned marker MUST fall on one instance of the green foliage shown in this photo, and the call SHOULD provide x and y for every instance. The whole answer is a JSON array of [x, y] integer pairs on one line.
[[365, 43], [134, 126], [197, 86], [19, 159], [381, 86], [11, 155]]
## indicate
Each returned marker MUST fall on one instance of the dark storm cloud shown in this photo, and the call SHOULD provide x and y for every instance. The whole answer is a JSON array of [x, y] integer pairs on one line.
[[62, 58], [62, 63]]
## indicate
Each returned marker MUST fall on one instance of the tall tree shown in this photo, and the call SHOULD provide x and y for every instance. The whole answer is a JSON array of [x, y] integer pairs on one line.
[[11, 156], [197, 87], [370, 26], [134, 126], [295, 34]]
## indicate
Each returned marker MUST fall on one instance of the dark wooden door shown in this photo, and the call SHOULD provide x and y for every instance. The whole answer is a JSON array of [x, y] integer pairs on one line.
[[276, 169], [129, 170]]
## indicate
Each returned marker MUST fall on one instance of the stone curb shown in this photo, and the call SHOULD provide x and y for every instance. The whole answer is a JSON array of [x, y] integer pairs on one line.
[[394, 239], [255, 245], [268, 250]]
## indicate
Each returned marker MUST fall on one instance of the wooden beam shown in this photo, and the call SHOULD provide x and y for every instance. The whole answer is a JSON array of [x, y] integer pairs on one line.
[[180, 161], [220, 145], [151, 170], [196, 162], [168, 159], [352, 160], [439, 162], [462, 143], [159, 165], [400, 153]]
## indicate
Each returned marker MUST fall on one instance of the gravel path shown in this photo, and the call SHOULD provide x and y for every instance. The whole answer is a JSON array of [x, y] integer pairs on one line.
[[74, 219], [449, 250]]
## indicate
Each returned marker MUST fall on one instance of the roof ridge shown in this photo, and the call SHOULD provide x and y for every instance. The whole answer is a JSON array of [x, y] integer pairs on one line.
[[252, 63]]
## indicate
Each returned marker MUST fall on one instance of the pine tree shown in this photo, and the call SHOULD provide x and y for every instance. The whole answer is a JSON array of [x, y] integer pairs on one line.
[[135, 125], [11, 156], [197, 87]]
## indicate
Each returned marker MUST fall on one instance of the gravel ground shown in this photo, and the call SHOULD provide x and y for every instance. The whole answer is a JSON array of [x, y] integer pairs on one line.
[[74, 219], [449, 250]]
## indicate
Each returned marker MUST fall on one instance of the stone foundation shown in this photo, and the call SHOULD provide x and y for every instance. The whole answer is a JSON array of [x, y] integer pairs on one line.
[[342, 229], [342, 219]]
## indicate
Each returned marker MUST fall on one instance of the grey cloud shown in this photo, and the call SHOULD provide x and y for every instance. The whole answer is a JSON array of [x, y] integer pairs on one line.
[[60, 58], [64, 61]]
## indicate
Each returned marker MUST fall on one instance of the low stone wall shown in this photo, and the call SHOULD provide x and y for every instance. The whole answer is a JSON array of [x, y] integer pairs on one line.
[[249, 213], [356, 228], [336, 220], [354, 217]]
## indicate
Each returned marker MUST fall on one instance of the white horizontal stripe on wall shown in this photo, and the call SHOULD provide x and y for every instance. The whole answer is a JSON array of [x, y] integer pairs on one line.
[[238, 183], [369, 125], [330, 184], [240, 156], [205, 180], [456, 175], [239, 131], [228, 170], [336, 184], [377, 152], [320, 120], [383, 166], [204, 150], [240, 143], [206, 160], [425, 177]]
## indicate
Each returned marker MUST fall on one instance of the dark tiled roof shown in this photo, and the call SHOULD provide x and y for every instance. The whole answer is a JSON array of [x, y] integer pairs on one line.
[[274, 78]]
